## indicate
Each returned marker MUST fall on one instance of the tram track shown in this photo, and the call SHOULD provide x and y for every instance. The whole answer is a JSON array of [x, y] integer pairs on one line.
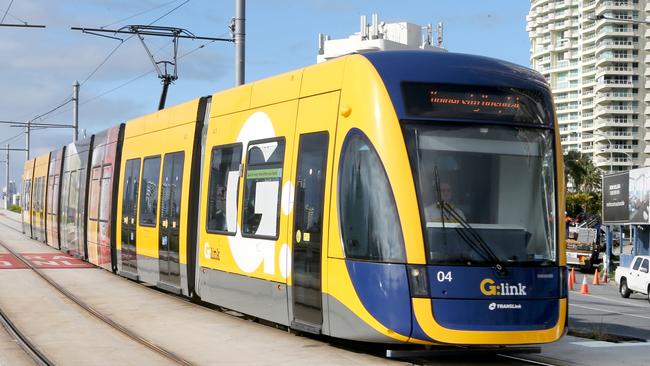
[[152, 346], [23, 341], [106, 320], [525, 360]]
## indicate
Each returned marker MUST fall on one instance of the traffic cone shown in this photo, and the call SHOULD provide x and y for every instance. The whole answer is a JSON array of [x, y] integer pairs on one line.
[[570, 283], [595, 281], [584, 289], [605, 279], [572, 276]]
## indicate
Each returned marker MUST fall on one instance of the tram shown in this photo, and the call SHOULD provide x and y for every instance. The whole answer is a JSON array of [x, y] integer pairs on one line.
[[390, 197]]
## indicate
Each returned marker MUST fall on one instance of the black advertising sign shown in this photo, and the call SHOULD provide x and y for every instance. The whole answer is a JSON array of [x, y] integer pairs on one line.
[[616, 198]]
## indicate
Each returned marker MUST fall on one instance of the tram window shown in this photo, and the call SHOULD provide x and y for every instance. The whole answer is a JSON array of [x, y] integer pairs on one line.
[[27, 193], [149, 191], [35, 200], [368, 214], [224, 189], [73, 206], [502, 181], [105, 194], [94, 193], [262, 189]]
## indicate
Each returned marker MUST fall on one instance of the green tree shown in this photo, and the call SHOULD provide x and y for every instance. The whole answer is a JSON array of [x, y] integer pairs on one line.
[[581, 173]]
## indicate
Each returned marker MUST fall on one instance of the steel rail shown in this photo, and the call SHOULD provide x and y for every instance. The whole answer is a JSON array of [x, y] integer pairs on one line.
[[127, 332], [23, 341], [526, 360]]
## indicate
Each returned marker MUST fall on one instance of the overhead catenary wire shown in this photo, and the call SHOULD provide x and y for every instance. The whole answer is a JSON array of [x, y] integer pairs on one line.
[[68, 99], [6, 12], [134, 79], [126, 40], [11, 138], [140, 13]]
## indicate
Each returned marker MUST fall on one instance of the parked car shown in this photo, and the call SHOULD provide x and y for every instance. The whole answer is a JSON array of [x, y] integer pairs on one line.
[[635, 278]]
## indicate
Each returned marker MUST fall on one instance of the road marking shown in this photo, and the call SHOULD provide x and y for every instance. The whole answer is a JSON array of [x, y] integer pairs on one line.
[[602, 344], [612, 300], [8, 261], [54, 260], [610, 311]]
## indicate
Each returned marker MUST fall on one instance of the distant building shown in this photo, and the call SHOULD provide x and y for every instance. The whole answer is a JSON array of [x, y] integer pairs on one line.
[[15, 199], [381, 36], [7, 194], [595, 56]]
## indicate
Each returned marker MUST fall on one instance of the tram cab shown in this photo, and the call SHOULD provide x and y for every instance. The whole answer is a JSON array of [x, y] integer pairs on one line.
[[449, 203]]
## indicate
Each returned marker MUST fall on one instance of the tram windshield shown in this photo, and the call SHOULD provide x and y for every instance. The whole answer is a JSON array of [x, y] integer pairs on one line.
[[485, 186]]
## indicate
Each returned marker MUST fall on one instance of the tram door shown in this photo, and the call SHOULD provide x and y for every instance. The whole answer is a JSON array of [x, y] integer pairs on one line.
[[315, 132], [170, 214], [129, 211]]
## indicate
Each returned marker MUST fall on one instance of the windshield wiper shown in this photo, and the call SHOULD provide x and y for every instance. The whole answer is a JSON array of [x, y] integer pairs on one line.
[[474, 240]]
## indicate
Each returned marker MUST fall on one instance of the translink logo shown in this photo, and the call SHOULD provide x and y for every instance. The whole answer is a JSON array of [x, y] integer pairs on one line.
[[489, 288]]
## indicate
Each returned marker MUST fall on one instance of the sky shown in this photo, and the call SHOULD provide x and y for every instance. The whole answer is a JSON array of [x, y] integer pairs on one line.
[[118, 82]]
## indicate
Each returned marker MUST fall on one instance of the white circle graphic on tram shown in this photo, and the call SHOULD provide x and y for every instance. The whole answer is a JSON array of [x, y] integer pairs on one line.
[[287, 198], [206, 250], [250, 253], [285, 261]]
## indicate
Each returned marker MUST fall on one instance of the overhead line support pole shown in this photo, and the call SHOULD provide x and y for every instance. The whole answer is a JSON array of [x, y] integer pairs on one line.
[[27, 131], [240, 41], [75, 110], [7, 181]]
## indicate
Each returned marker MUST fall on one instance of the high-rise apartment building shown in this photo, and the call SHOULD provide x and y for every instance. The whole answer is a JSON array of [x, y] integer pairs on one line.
[[593, 54]]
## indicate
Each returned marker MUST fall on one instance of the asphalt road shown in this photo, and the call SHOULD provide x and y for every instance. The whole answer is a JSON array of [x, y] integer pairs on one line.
[[604, 310]]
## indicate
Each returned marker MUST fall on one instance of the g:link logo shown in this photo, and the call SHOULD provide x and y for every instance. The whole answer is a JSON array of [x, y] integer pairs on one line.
[[489, 288]]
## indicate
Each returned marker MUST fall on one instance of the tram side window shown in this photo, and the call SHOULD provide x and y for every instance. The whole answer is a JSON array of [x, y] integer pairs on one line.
[[41, 189], [26, 194], [149, 191], [224, 189], [105, 193], [368, 214], [35, 201], [94, 193], [262, 189]]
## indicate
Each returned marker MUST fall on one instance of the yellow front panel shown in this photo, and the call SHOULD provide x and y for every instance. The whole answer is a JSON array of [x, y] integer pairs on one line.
[[371, 111], [260, 258]]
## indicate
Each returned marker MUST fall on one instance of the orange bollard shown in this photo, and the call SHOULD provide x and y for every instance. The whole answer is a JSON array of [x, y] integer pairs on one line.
[[596, 281], [584, 289]]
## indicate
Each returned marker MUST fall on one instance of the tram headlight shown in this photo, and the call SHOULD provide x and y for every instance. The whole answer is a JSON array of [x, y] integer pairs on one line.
[[418, 281]]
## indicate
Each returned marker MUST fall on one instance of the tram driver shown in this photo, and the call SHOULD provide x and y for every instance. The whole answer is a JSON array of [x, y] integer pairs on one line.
[[433, 211]]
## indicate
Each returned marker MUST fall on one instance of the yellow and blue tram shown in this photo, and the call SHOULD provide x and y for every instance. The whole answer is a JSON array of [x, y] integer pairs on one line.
[[391, 197]]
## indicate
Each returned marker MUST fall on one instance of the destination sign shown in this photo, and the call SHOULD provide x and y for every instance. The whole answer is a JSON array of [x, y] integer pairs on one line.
[[477, 103]]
